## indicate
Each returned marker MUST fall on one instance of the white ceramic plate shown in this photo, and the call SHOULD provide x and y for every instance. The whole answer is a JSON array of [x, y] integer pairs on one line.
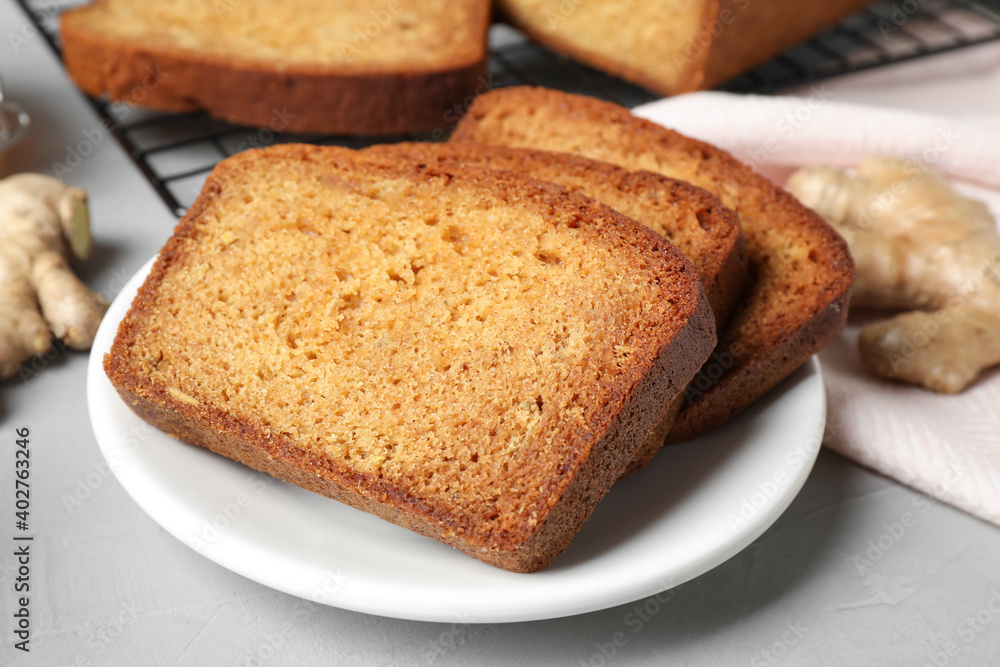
[[695, 506]]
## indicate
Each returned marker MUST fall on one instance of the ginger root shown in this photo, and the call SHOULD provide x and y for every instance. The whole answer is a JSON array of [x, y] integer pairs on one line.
[[42, 223], [918, 245]]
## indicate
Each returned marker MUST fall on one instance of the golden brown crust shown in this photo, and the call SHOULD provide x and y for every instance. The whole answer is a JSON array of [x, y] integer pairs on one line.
[[624, 408], [691, 218], [801, 270], [754, 32], [283, 98], [732, 36]]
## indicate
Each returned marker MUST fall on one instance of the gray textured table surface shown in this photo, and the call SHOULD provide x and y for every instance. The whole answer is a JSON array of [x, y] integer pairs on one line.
[[838, 580]]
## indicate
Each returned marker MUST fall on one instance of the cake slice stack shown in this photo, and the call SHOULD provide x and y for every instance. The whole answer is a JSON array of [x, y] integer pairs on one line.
[[472, 354]]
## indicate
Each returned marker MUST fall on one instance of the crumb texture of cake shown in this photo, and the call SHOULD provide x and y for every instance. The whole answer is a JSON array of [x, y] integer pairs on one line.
[[673, 46], [801, 270], [691, 218], [471, 355], [338, 67]]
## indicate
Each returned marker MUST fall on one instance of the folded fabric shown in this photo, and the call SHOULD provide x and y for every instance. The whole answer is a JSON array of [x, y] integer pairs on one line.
[[819, 130], [946, 447]]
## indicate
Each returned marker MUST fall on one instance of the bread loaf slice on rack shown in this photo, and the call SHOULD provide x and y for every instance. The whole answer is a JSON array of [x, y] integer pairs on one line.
[[343, 67], [801, 270], [673, 46], [471, 354]]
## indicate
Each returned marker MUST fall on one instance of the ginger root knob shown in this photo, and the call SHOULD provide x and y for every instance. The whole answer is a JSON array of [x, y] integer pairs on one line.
[[43, 222], [918, 245]]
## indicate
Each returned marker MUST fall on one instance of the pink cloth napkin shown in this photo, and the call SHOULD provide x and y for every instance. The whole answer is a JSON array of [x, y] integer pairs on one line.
[[947, 447]]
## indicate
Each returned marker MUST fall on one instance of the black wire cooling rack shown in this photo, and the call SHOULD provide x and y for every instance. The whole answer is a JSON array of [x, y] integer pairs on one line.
[[176, 151]]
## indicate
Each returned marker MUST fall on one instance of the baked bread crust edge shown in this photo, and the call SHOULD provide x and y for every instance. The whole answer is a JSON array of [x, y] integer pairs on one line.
[[299, 99]]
